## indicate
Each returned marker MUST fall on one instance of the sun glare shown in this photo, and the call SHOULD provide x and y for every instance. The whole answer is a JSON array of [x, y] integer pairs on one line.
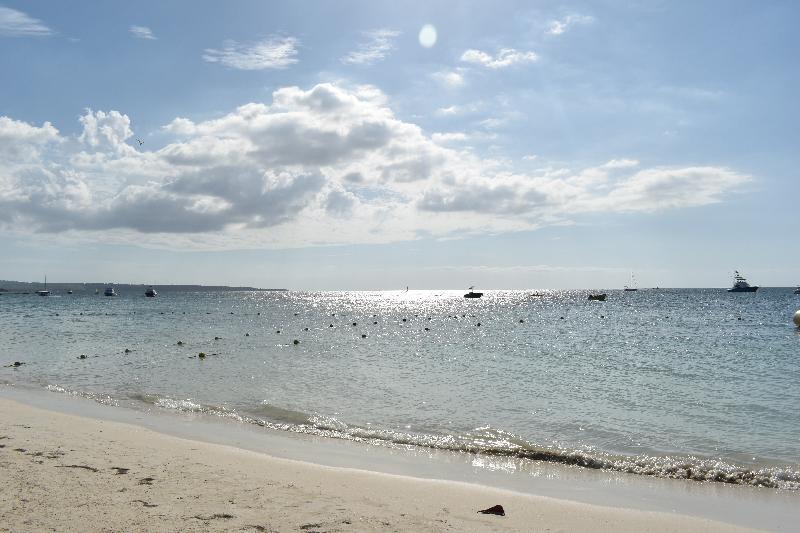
[[427, 36]]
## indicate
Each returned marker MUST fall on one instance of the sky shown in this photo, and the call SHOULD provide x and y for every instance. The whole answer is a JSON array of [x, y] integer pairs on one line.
[[377, 145]]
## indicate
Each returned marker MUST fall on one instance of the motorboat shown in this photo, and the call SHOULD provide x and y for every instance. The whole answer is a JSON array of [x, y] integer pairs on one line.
[[110, 291], [740, 284], [598, 297], [797, 290], [150, 293], [473, 294]]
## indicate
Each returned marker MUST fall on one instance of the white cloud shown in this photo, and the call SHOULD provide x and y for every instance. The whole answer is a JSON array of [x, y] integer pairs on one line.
[[558, 27], [15, 23], [450, 111], [444, 138], [20, 141], [449, 78], [376, 48], [106, 130], [506, 57], [530, 157], [327, 165], [275, 52], [142, 32]]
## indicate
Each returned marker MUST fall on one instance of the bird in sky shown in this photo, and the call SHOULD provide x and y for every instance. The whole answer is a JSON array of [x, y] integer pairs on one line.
[[141, 142]]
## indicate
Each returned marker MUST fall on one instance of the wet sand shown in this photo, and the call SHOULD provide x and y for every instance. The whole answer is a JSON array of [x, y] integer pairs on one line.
[[67, 473]]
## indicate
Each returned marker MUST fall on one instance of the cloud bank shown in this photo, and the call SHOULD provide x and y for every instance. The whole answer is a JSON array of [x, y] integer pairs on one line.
[[327, 165]]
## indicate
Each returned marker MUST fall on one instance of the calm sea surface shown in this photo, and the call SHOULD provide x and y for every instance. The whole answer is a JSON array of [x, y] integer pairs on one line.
[[697, 384]]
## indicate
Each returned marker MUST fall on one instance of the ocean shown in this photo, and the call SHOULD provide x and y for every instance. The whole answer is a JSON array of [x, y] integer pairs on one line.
[[698, 384]]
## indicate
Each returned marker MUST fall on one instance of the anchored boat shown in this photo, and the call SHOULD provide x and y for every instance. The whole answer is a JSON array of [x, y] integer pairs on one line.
[[740, 284], [473, 294]]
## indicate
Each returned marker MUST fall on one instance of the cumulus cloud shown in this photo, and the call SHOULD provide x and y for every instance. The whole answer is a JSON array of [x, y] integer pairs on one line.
[[15, 23], [558, 27], [20, 141], [106, 130], [142, 32], [275, 52], [330, 164], [377, 46], [504, 58]]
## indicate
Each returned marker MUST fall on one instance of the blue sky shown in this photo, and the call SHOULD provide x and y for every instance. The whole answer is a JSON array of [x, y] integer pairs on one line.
[[322, 145]]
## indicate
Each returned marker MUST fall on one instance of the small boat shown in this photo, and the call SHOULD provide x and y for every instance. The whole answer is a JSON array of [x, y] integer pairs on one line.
[[632, 286], [473, 294], [598, 297], [110, 291], [740, 284], [150, 293], [44, 292], [69, 291], [797, 290]]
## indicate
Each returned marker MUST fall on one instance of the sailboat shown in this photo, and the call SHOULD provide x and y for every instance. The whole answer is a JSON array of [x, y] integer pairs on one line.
[[632, 286], [44, 292]]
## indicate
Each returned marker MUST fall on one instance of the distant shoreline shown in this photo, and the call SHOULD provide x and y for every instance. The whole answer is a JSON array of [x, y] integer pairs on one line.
[[23, 287]]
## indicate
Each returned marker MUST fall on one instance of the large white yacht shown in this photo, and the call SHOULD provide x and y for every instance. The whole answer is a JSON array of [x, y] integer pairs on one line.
[[740, 284]]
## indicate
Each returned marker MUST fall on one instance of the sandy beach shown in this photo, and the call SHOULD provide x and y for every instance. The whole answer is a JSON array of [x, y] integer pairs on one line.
[[68, 473]]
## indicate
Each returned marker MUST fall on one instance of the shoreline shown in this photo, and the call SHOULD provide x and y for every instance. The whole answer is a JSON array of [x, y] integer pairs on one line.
[[58, 446]]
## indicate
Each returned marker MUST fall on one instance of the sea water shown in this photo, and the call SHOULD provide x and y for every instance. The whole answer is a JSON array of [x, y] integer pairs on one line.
[[697, 383]]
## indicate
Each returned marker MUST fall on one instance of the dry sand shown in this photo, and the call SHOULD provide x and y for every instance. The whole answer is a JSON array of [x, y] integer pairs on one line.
[[62, 472]]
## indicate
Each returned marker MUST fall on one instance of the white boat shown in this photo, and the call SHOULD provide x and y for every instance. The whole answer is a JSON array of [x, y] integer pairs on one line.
[[110, 291], [632, 287], [740, 284], [44, 292]]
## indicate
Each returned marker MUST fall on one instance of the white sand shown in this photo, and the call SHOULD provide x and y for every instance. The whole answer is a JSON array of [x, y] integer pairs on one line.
[[57, 472]]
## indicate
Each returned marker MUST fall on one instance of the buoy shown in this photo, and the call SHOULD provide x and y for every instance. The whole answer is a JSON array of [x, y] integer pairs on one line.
[[246, 334], [363, 336], [296, 341], [201, 355], [180, 343], [127, 350], [797, 318], [305, 329], [277, 331], [82, 356], [216, 338], [354, 323]]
